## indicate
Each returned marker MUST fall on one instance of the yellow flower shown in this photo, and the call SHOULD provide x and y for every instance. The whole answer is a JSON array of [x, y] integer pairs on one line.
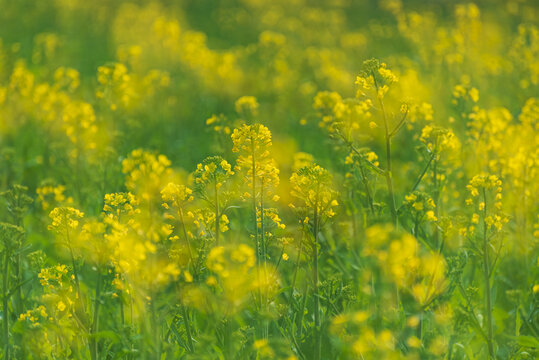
[[64, 219], [61, 306], [414, 342], [474, 94], [312, 185], [254, 141], [247, 106], [176, 195]]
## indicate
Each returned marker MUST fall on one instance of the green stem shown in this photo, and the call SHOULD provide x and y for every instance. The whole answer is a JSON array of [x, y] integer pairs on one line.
[[226, 339], [366, 184], [19, 305], [301, 311], [316, 298], [95, 323], [436, 201], [5, 299], [191, 259], [155, 329], [361, 171], [420, 327], [122, 313], [18, 275], [388, 173], [294, 278], [264, 254], [75, 273], [187, 328], [253, 170], [486, 278], [400, 124], [216, 210], [418, 181], [85, 320]]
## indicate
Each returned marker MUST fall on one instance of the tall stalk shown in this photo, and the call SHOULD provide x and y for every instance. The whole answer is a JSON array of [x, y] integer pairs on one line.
[[366, 185], [155, 328], [296, 268], [486, 278], [187, 328], [5, 310], [186, 238], [85, 320], [388, 172], [95, 322], [18, 260], [253, 167], [264, 255], [18, 306], [316, 300], [75, 272], [216, 210]]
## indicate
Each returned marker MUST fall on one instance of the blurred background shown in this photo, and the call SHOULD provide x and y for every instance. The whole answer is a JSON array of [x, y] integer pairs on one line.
[[173, 64]]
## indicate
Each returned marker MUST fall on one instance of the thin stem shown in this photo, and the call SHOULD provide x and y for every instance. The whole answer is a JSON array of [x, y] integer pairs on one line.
[[18, 275], [316, 298], [353, 148], [216, 210], [294, 341], [122, 313], [401, 123], [226, 339], [155, 328], [486, 278], [471, 312], [528, 323], [75, 273], [420, 327], [95, 324], [85, 320], [388, 173], [366, 184], [5, 299], [262, 235], [362, 171], [294, 278], [301, 311], [19, 304], [264, 254], [253, 170], [436, 200], [191, 259], [187, 328], [418, 181]]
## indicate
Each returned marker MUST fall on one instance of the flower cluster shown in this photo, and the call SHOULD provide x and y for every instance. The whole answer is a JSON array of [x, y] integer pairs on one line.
[[49, 195], [252, 142], [313, 187], [176, 195], [421, 273], [421, 206], [64, 219]]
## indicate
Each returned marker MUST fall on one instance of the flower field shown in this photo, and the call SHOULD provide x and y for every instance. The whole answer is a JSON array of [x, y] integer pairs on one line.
[[269, 179]]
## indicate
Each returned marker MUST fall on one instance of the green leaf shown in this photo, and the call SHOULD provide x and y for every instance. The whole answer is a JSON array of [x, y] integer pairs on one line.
[[526, 341], [111, 335]]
